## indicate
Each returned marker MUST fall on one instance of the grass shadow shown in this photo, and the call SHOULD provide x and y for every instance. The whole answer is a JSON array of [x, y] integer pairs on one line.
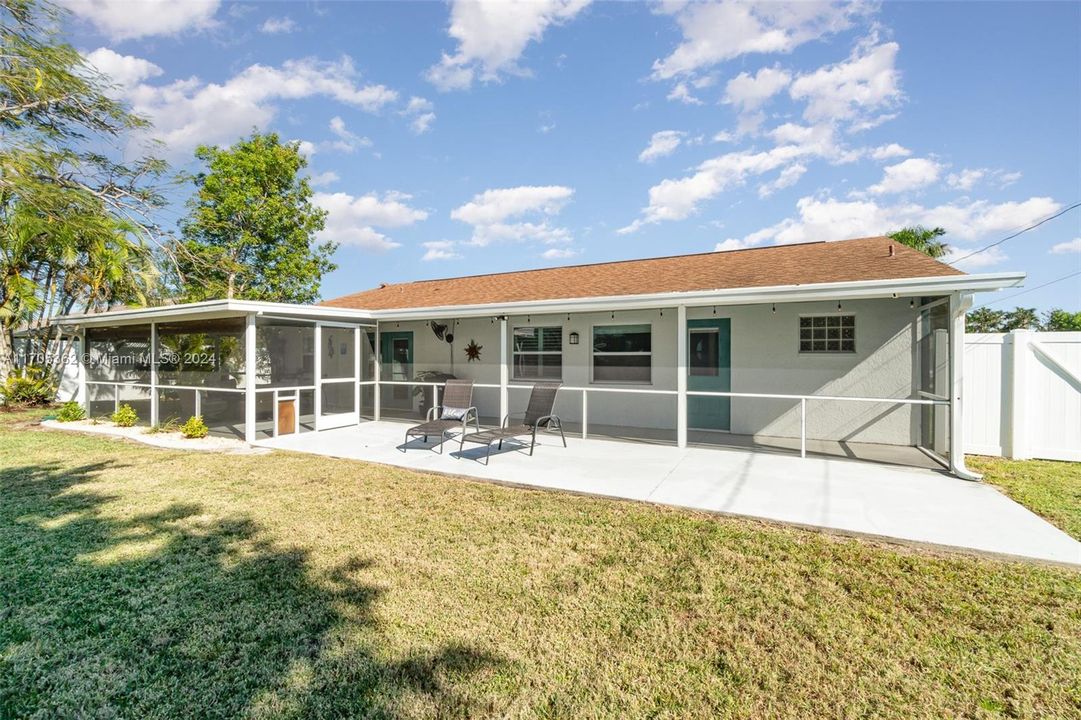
[[179, 613]]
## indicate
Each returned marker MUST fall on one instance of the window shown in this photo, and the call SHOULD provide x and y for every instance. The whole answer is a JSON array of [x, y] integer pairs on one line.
[[622, 353], [827, 334], [538, 353]]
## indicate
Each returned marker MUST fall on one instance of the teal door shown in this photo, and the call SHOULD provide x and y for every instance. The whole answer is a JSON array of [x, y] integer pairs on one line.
[[709, 369], [396, 355]]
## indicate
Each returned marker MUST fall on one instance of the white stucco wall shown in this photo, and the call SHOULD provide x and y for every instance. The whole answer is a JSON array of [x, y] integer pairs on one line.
[[765, 358]]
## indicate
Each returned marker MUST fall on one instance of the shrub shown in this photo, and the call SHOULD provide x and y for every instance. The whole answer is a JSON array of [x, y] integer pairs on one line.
[[30, 388], [194, 428], [125, 416], [70, 412]]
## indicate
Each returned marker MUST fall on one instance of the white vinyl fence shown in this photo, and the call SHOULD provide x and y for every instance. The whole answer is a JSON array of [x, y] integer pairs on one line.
[[1023, 395]]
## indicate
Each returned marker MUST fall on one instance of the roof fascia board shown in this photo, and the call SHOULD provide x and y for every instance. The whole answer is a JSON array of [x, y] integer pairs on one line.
[[213, 309]]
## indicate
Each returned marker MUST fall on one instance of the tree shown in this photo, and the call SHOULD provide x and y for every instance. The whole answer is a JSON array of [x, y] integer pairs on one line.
[[1059, 320], [75, 231], [1020, 318], [250, 232], [920, 238], [984, 320]]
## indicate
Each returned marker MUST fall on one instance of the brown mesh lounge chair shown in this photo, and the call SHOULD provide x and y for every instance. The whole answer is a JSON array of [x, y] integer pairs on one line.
[[537, 414], [454, 413]]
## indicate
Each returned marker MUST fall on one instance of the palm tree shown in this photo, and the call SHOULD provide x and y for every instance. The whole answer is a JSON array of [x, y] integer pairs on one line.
[[923, 239]]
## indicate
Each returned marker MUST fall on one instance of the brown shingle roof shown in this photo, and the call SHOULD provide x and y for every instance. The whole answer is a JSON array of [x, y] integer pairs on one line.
[[804, 264]]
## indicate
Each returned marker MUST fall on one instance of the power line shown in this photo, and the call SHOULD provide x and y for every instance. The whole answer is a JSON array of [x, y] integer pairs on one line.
[[1033, 289], [1019, 232]]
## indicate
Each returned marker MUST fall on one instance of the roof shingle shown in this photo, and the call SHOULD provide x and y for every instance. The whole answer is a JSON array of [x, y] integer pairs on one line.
[[803, 264]]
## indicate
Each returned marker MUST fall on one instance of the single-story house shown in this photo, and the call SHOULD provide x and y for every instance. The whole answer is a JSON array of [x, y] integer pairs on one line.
[[856, 341]]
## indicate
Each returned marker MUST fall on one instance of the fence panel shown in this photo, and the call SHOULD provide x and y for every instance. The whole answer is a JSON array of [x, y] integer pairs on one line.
[[1023, 395]]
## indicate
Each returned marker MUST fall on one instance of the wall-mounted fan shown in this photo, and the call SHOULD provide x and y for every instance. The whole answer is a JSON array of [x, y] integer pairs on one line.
[[440, 330]]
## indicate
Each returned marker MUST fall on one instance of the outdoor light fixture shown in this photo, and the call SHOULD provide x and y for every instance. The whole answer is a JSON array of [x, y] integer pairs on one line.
[[573, 338], [838, 307], [773, 308], [912, 303]]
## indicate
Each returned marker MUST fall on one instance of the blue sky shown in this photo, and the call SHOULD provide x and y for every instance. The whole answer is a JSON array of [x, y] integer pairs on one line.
[[460, 138]]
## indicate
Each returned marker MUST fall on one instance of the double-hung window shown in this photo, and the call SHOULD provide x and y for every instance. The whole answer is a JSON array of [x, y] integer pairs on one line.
[[538, 353], [623, 353]]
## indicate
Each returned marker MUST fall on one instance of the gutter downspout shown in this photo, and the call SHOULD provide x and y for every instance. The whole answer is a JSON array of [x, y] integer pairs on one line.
[[959, 305]]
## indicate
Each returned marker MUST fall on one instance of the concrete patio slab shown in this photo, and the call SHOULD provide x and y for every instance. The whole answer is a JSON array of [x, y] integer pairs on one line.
[[909, 504]]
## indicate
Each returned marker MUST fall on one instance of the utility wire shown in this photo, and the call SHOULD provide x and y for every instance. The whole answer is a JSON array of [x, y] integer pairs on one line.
[[1033, 289], [1019, 232]]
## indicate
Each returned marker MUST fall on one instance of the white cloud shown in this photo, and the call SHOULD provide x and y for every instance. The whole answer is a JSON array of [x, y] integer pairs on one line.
[[853, 89], [421, 113], [277, 26], [422, 123], [126, 20], [188, 112], [677, 199], [492, 37], [750, 92], [682, 93], [966, 179], [347, 141], [305, 147], [723, 136], [126, 71], [888, 152], [352, 220], [787, 178], [988, 258], [327, 178], [1068, 247], [907, 175], [491, 212], [831, 219], [439, 250], [559, 253], [717, 31], [661, 143]]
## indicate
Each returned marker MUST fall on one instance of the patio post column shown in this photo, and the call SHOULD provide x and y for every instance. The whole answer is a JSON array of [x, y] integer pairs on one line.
[[681, 376], [249, 378], [959, 305], [318, 373], [504, 370], [153, 373], [378, 371], [80, 358], [356, 371]]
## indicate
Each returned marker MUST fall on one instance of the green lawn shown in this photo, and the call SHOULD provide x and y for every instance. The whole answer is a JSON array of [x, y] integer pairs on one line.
[[1050, 489], [144, 583]]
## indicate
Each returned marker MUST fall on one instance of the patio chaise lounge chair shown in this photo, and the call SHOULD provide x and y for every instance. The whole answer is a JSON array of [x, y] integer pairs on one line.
[[538, 414], [453, 413]]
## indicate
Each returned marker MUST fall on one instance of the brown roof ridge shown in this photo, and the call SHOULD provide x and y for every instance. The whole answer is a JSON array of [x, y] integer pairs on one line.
[[389, 285], [863, 258]]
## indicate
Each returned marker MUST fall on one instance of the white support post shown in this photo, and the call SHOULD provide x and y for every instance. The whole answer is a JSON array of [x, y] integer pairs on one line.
[[959, 304], [378, 372], [82, 353], [504, 371], [153, 374], [274, 428], [681, 376], [585, 414], [356, 372], [318, 372], [803, 427], [1017, 395], [249, 379]]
